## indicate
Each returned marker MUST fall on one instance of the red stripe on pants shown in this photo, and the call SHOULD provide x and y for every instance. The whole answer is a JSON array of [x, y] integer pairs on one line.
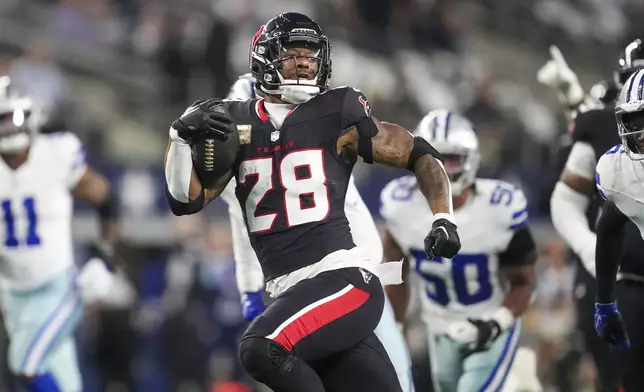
[[320, 316]]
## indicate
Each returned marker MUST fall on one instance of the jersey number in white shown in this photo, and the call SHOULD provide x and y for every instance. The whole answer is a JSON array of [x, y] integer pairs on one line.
[[438, 292], [296, 188], [11, 238]]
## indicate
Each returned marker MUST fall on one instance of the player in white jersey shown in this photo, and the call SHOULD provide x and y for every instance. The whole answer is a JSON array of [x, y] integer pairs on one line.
[[472, 304], [41, 292], [620, 180], [250, 280]]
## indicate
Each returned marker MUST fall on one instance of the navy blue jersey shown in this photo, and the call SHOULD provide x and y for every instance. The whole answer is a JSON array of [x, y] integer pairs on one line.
[[292, 181]]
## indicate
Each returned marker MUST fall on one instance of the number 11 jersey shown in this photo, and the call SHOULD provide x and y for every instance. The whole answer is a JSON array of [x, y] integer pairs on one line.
[[36, 211], [292, 181], [469, 285]]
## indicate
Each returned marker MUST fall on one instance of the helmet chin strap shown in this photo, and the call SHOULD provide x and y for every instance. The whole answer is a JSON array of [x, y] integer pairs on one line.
[[297, 94]]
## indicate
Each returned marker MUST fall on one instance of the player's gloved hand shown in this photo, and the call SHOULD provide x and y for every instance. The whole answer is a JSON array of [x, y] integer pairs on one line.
[[610, 326], [204, 119], [488, 332], [252, 304], [105, 252], [442, 240], [557, 74], [478, 335], [94, 280]]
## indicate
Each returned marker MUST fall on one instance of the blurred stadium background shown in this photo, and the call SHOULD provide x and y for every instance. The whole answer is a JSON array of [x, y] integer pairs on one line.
[[117, 72]]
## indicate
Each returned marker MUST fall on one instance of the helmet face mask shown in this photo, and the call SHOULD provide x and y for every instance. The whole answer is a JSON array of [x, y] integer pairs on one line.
[[454, 138], [291, 58], [18, 120], [630, 127], [454, 164]]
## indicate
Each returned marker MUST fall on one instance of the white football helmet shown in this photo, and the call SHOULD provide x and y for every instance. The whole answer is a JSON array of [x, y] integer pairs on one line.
[[629, 113], [19, 119], [454, 137]]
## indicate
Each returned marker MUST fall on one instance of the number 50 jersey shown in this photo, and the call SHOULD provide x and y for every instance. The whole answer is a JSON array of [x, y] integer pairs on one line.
[[469, 285]]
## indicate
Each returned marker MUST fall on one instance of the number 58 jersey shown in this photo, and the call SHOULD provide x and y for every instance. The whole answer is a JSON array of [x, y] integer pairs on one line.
[[36, 210], [469, 285]]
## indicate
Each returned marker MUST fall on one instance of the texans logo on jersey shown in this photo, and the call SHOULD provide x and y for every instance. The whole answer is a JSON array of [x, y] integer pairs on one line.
[[365, 104]]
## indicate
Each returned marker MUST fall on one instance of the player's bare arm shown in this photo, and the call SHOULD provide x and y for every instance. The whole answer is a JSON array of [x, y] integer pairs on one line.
[[570, 200], [393, 146], [195, 187], [94, 189], [186, 192], [398, 294], [578, 183], [522, 282], [610, 228]]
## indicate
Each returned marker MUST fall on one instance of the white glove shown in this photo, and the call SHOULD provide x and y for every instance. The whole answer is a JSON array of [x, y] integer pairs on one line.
[[478, 334], [462, 332], [557, 74], [94, 280]]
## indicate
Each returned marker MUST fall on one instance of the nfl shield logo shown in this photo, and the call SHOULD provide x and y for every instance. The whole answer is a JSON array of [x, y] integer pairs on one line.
[[275, 135]]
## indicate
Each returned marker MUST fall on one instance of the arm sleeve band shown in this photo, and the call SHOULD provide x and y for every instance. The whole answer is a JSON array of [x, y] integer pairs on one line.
[[568, 212], [178, 169], [582, 161], [179, 208], [421, 147], [110, 208], [366, 130]]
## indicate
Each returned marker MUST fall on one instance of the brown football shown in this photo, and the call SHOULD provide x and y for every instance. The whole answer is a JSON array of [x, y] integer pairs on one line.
[[213, 158]]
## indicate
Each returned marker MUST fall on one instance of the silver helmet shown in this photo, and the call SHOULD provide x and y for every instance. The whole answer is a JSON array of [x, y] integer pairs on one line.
[[629, 113], [454, 137], [19, 120]]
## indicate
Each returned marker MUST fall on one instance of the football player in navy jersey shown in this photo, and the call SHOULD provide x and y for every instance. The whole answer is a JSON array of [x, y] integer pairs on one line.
[[298, 145]]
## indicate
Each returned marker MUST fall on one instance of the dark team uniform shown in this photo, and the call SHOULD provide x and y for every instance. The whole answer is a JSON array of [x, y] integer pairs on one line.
[[291, 184], [597, 127]]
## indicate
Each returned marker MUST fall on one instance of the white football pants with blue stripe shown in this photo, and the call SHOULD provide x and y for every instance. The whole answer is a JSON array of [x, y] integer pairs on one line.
[[40, 324], [480, 372], [394, 343]]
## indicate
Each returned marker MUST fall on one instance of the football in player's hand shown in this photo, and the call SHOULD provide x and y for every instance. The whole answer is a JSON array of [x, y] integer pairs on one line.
[[212, 158]]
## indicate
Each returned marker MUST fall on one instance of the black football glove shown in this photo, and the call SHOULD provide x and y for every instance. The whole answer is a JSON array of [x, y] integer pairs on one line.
[[610, 326], [205, 119], [488, 332], [104, 251], [442, 240]]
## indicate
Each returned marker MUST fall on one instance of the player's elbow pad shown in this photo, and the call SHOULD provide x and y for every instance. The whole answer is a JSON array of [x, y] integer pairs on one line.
[[191, 207], [421, 148]]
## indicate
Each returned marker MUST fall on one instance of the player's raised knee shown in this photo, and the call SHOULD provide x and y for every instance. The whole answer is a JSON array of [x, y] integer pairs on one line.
[[261, 356]]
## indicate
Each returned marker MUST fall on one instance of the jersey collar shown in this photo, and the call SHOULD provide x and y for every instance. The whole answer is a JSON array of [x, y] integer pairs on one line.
[[260, 109]]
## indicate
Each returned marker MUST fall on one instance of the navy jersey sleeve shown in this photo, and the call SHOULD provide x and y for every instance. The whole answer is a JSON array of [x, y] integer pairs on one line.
[[596, 127], [520, 249], [355, 107], [584, 125], [357, 112]]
